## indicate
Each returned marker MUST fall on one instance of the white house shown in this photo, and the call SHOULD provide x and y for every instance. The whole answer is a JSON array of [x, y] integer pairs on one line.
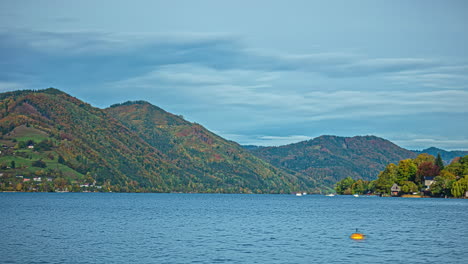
[[428, 180]]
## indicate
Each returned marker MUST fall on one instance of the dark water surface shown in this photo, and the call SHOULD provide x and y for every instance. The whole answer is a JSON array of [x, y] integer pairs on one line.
[[224, 228]]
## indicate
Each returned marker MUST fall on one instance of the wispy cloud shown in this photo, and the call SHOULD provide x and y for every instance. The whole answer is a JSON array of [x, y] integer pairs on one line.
[[218, 80], [449, 77], [97, 51], [256, 88]]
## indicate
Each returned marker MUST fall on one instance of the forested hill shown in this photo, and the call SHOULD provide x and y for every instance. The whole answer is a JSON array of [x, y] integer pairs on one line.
[[66, 144], [330, 158], [209, 158]]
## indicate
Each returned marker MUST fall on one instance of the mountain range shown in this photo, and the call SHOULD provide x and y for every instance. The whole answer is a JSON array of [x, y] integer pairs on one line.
[[329, 159], [133, 146], [138, 147]]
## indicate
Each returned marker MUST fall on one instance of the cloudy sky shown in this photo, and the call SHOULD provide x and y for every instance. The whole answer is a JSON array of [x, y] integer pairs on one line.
[[257, 72]]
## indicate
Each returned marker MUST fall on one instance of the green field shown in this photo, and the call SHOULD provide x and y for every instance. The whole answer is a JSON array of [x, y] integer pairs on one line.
[[24, 133]]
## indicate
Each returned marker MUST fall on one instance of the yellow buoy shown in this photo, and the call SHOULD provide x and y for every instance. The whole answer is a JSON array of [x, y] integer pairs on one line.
[[357, 236]]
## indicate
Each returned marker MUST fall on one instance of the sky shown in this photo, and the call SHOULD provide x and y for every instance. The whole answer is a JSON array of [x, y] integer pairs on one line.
[[257, 72]]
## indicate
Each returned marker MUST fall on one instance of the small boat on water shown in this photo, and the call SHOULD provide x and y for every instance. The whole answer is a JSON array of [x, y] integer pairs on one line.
[[299, 194], [304, 193], [330, 195], [356, 195]]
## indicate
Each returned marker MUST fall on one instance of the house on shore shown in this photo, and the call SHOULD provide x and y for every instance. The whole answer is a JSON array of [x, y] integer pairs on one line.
[[428, 180], [395, 190]]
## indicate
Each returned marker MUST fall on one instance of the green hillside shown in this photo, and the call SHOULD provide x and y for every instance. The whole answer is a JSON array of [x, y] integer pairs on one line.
[[329, 159], [209, 158], [134, 147], [81, 140]]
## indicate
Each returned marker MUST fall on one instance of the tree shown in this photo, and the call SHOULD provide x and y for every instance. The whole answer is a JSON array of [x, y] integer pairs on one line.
[[455, 167], [386, 179], [460, 187], [60, 183], [359, 187], [409, 187], [60, 159], [424, 157], [344, 186], [21, 145], [438, 162], [406, 171], [457, 189], [44, 145], [39, 164], [464, 167], [447, 174], [426, 169], [13, 164], [442, 185]]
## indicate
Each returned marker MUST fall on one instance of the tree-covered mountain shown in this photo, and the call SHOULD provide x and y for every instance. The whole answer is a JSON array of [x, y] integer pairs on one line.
[[447, 156], [65, 143], [329, 159], [209, 158]]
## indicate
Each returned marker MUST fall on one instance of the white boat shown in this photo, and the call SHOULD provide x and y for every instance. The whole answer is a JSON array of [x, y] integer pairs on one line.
[[298, 194], [304, 193], [330, 195], [356, 195]]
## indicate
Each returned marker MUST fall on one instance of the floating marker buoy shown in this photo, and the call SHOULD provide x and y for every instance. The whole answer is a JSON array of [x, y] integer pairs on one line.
[[357, 236]]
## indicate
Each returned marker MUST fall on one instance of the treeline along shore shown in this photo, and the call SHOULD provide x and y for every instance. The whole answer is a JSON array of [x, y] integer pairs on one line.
[[424, 176]]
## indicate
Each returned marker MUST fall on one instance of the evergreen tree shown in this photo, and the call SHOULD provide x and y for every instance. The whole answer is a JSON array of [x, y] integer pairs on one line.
[[60, 159], [439, 162]]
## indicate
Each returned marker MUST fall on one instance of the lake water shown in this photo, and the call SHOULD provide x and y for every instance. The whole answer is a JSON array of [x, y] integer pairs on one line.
[[226, 228]]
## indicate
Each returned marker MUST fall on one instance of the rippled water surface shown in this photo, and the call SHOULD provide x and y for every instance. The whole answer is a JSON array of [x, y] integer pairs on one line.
[[225, 228]]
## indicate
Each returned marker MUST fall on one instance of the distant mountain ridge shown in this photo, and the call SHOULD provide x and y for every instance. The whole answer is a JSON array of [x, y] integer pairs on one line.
[[328, 159], [331, 158], [447, 156]]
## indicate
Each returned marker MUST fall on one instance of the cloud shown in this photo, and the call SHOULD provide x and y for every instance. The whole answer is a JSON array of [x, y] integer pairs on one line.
[[219, 81], [105, 55], [366, 67], [66, 57], [449, 77], [256, 92]]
